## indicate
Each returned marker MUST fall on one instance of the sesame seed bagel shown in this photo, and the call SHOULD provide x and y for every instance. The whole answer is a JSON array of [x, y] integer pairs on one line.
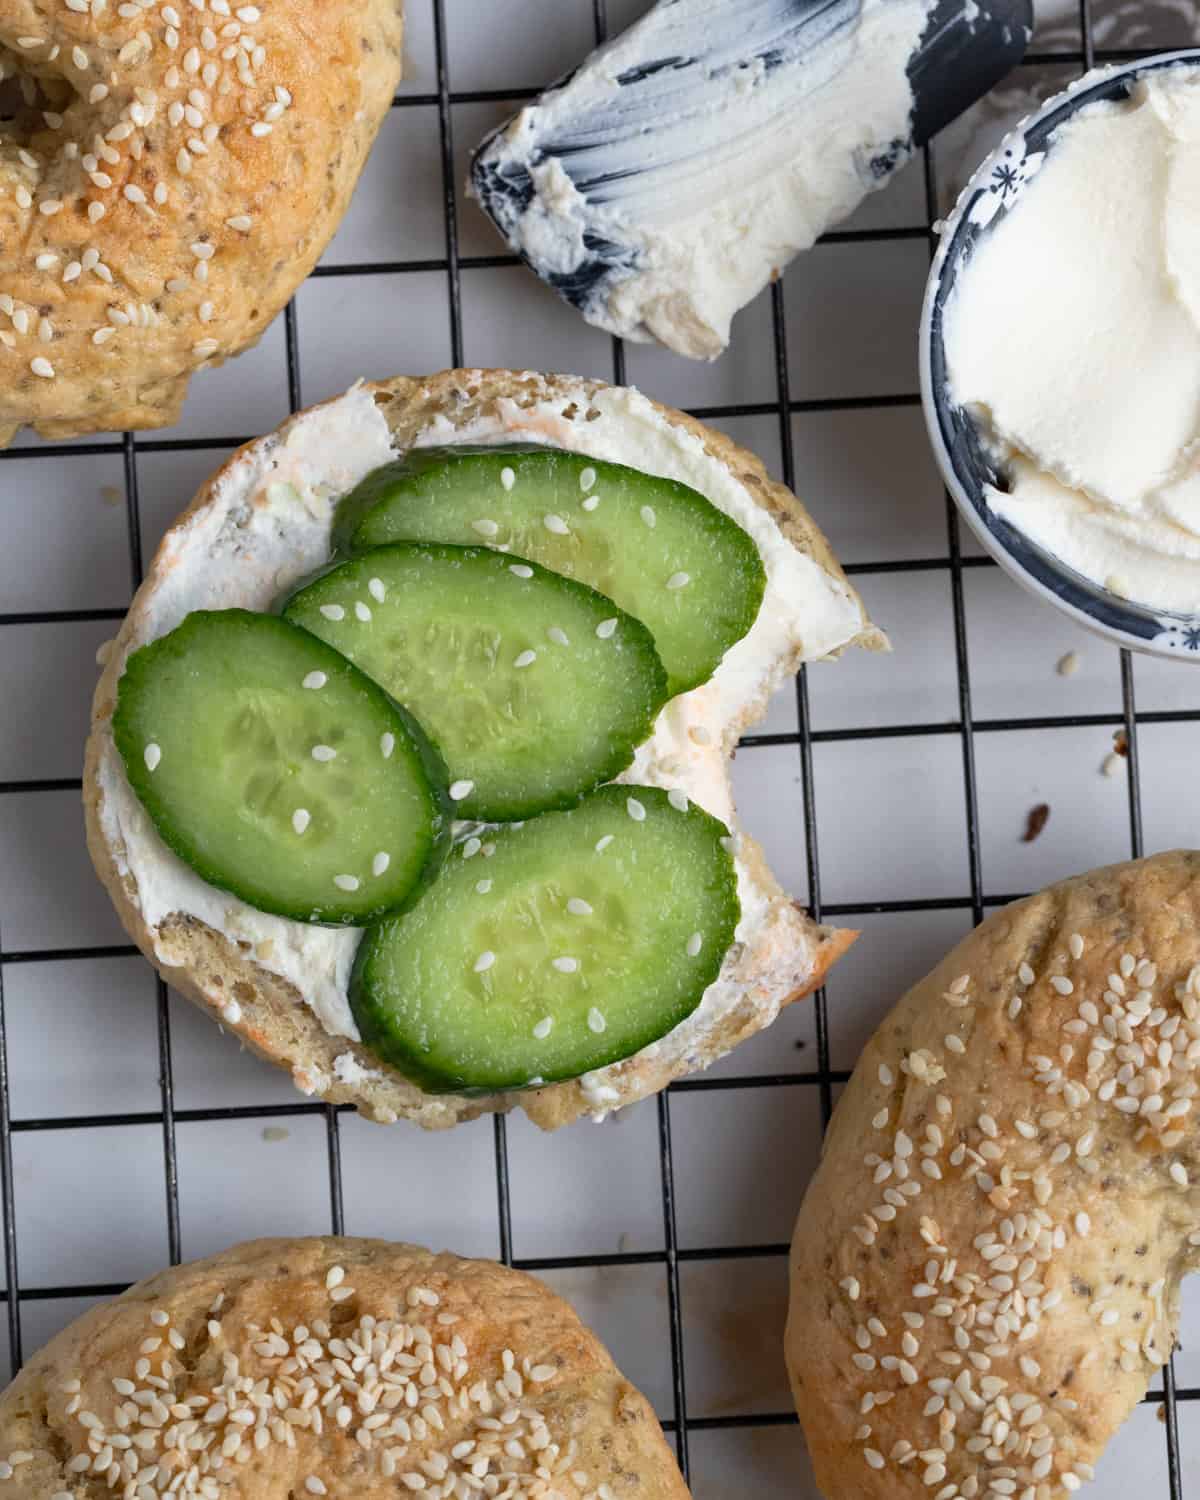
[[263, 521], [986, 1268], [174, 174], [285, 1369]]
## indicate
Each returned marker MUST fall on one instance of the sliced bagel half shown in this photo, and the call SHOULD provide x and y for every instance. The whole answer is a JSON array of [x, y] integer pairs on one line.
[[262, 522]]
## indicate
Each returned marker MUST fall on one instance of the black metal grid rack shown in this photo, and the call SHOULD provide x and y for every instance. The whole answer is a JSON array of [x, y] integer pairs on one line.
[[965, 727]]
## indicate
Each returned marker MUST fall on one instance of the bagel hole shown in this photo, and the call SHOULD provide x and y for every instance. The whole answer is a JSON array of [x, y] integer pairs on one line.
[[25, 96]]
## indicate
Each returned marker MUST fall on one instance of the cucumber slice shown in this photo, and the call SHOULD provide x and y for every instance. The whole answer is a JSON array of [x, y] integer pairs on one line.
[[279, 771], [658, 549], [586, 936], [534, 688]]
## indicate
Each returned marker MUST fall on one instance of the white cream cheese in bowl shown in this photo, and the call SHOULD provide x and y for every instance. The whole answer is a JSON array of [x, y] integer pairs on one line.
[[1061, 353]]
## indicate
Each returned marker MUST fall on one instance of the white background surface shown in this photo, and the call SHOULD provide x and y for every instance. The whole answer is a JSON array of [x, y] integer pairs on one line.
[[890, 811]]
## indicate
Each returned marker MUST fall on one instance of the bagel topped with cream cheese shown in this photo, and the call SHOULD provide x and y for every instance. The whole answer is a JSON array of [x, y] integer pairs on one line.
[[985, 1272], [262, 524], [174, 173]]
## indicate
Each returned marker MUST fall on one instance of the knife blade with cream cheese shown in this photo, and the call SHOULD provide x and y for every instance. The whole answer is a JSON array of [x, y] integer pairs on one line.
[[662, 185]]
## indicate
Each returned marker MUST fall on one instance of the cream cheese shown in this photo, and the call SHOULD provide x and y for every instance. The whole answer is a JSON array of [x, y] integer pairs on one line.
[[1073, 340], [267, 523], [660, 190]]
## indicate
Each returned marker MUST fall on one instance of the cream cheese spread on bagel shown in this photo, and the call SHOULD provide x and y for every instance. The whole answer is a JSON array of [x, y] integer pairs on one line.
[[265, 522]]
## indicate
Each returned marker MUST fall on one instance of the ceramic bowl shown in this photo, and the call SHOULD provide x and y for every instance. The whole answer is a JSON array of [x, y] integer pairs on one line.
[[994, 190]]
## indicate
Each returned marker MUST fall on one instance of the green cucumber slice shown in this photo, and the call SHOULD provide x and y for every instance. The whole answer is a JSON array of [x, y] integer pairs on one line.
[[584, 937], [534, 688], [279, 771], [660, 550]]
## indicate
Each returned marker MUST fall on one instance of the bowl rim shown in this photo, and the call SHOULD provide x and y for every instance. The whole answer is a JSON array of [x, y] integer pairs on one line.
[[1137, 627]]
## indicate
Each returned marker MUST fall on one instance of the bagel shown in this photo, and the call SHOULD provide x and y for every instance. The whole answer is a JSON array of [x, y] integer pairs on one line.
[[263, 521], [430, 1373], [985, 1271], [173, 174]]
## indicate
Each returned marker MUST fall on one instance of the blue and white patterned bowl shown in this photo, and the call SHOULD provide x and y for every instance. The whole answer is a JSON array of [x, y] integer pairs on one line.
[[993, 191]]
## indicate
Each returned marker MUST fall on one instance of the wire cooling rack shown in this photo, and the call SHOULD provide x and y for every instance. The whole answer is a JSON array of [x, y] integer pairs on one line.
[[874, 721]]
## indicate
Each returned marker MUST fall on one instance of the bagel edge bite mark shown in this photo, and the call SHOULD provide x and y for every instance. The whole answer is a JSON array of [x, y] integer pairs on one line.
[[985, 1270], [175, 173]]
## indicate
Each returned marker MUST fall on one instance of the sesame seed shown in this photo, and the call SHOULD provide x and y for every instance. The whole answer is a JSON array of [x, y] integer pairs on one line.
[[314, 1486], [42, 366], [679, 580], [324, 753], [678, 799], [484, 962], [635, 809], [694, 944], [460, 790], [577, 906], [874, 1458], [556, 524], [483, 886], [301, 818], [648, 516], [520, 570], [334, 1277], [606, 628], [314, 680], [387, 743], [380, 863], [565, 965], [525, 659], [591, 502], [152, 755], [596, 1021], [603, 843], [346, 882], [543, 1028], [558, 636], [240, 222], [507, 477], [472, 847], [1179, 1174], [587, 478], [362, 611], [885, 1075]]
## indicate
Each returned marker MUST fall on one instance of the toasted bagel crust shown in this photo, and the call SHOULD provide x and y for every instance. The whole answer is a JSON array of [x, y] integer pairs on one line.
[[985, 1271], [270, 1016], [510, 1345], [198, 166]]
